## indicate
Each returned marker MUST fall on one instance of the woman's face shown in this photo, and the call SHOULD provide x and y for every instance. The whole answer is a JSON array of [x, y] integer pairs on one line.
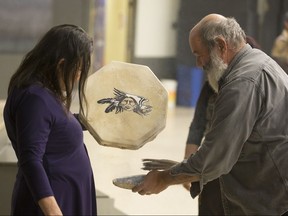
[[73, 80]]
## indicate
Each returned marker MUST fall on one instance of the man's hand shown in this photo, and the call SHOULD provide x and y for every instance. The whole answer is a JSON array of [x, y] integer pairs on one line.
[[154, 182], [187, 185]]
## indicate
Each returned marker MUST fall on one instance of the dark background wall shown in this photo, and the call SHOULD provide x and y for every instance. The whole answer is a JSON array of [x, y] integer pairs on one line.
[[261, 19], [272, 23], [192, 11]]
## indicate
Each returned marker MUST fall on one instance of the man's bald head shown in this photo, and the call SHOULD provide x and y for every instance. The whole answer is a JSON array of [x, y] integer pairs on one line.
[[215, 40], [215, 26], [209, 19]]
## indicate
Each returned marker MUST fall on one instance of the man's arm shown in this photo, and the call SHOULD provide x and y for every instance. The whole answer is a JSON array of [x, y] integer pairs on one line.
[[189, 150], [223, 143], [198, 125]]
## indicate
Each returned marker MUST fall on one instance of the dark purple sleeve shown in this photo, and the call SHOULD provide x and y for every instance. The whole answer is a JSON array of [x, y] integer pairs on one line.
[[198, 125], [33, 124]]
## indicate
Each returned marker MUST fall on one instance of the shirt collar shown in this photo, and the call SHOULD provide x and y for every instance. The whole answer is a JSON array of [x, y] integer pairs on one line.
[[234, 61]]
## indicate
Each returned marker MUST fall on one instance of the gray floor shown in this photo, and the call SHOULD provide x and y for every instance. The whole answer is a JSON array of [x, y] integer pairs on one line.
[[109, 163]]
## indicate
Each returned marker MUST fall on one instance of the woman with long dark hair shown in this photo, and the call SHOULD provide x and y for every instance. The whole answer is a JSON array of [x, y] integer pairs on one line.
[[54, 171]]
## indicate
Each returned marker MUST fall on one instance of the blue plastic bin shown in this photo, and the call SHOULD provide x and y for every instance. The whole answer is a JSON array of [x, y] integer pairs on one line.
[[190, 81]]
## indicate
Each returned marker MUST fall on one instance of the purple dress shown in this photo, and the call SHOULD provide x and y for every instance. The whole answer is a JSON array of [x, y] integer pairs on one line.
[[52, 158]]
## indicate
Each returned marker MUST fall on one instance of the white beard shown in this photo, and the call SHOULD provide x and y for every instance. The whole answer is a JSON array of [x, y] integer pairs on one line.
[[215, 70]]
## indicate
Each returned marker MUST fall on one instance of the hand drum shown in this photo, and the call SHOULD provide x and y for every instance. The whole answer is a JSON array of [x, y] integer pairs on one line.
[[126, 105]]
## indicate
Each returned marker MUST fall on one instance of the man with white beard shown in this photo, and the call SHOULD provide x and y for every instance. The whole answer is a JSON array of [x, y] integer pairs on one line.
[[214, 69], [247, 144], [210, 200]]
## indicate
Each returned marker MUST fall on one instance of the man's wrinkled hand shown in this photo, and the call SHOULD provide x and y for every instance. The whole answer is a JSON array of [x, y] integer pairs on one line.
[[154, 182]]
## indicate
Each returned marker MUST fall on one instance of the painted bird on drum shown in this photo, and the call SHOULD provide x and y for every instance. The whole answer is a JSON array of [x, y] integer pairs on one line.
[[126, 102]]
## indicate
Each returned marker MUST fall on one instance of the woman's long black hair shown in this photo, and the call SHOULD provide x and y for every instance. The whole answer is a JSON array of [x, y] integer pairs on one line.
[[68, 44]]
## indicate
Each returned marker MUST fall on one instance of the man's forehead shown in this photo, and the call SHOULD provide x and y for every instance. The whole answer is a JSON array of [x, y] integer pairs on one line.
[[195, 42]]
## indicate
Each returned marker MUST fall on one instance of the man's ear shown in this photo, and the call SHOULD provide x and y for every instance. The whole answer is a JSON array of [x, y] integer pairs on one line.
[[221, 44]]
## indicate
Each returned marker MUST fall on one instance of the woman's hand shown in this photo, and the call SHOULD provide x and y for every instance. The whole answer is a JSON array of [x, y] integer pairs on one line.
[[49, 206]]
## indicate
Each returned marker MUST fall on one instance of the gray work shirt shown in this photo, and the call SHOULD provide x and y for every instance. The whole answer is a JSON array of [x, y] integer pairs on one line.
[[247, 144]]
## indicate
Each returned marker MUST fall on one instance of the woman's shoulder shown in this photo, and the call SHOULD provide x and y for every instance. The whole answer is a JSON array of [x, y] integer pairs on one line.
[[37, 89], [34, 93]]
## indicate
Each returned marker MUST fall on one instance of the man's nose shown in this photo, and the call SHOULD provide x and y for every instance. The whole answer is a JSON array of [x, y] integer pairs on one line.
[[199, 63]]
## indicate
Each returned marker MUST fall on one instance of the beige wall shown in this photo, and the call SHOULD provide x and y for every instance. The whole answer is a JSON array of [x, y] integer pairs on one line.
[[8, 64], [73, 12], [116, 30]]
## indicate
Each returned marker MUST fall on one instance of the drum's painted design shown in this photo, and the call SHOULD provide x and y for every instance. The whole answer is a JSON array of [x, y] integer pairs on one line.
[[126, 102]]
